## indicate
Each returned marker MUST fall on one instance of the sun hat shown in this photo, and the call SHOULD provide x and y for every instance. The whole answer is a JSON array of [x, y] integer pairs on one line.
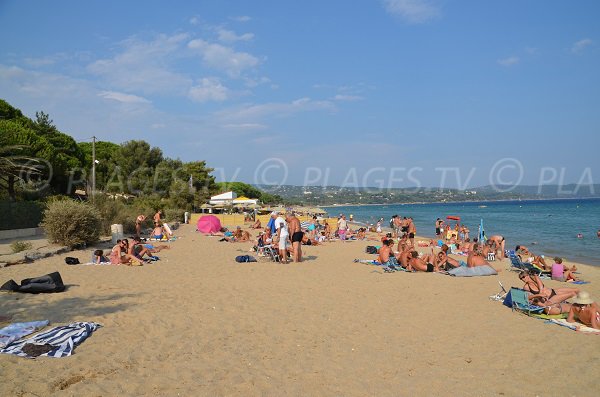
[[275, 213], [583, 298]]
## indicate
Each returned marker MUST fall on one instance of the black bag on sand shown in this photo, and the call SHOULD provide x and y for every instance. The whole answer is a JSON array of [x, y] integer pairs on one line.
[[245, 258], [69, 260], [49, 283]]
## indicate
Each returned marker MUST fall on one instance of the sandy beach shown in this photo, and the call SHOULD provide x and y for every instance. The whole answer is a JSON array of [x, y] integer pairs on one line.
[[196, 323]]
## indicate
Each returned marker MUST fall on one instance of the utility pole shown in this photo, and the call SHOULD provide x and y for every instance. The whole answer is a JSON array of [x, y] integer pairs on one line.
[[93, 167]]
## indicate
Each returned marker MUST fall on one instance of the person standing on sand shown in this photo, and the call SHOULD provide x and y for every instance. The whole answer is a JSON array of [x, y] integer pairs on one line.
[[138, 224], [412, 231], [157, 216], [438, 227], [283, 236], [296, 234], [500, 244], [342, 227]]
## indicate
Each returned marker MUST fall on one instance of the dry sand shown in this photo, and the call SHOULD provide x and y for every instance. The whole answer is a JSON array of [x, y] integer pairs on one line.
[[197, 323]]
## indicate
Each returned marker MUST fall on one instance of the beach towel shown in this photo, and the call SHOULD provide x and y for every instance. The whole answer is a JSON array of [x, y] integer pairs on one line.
[[575, 326], [16, 331], [472, 271], [56, 342], [49, 283]]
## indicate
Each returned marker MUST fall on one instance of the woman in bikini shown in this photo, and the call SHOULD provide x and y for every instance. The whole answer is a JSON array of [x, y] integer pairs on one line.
[[585, 310], [550, 308], [534, 284], [119, 255]]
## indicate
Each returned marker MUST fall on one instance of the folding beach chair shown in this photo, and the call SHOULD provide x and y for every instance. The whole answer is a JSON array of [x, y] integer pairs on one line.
[[518, 265], [517, 299], [271, 253]]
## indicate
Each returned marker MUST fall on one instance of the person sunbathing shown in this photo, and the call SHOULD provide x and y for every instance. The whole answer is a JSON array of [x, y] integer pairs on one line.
[[256, 225], [443, 261], [561, 272], [158, 232], [119, 255], [585, 310], [386, 256], [421, 265], [526, 256], [549, 308], [534, 284]]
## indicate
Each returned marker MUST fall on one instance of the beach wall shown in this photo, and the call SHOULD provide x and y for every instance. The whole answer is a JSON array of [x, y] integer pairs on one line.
[[19, 233]]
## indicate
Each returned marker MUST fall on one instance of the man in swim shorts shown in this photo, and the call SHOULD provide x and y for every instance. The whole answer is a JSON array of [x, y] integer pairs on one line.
[[421, 265], [500, 245], [296, 234]]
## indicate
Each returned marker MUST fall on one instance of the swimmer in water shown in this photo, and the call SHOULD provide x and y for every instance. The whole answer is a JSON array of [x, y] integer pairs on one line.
[[579, 235]]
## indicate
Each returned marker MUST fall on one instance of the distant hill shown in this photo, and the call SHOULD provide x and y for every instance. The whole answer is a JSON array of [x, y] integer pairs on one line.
[[327, 195]]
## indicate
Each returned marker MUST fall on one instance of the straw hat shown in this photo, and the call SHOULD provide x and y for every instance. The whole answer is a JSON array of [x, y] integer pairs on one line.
[[582, 298]]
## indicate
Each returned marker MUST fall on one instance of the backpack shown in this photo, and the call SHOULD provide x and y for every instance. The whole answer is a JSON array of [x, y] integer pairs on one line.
[[371, 249], [69, 260], [245, 258]]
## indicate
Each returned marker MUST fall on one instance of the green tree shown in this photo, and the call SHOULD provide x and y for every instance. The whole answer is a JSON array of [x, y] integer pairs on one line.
[[105, 152], [133, 168], [23, 155]]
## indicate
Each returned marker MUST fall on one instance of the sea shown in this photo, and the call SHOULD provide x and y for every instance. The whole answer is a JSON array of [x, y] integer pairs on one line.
[[565, 228]]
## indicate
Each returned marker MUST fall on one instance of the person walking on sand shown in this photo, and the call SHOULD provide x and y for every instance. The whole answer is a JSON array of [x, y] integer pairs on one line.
[[296, 234], [138, 224]]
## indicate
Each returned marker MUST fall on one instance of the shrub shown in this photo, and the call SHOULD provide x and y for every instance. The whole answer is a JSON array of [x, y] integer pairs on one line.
[[18, 246], [116, 211], [70, 222], [173, 215]]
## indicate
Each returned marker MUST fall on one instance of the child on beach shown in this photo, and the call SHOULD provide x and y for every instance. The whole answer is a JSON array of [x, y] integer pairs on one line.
[[561, 273], [98, 257]]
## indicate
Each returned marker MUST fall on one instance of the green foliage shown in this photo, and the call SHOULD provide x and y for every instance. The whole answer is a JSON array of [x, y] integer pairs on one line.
[[116, 211], [18, 246], [173, 215], [71, 223]]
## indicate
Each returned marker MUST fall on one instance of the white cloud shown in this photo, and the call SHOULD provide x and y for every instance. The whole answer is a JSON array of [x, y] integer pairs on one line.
[[144, 66], [340, 97], [121, 97], [510, 61], [194, 20], [245, 126], [223, 58], [251, 112], [209, 89], [412, 11], [229, 36], [242, 18], [580, 45]]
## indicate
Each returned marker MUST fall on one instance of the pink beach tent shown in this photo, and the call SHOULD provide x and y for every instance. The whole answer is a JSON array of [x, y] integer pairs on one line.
[[208, 224]]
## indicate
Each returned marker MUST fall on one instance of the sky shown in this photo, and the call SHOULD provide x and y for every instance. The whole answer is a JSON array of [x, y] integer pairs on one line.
[[387, 93]]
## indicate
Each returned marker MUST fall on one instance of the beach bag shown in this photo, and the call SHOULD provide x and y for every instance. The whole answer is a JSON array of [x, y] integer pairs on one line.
[[371, 249], [69, 260], [245, 258]]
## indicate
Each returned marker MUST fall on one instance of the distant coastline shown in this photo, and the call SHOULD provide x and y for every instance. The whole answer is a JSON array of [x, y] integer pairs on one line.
[[465, 201]]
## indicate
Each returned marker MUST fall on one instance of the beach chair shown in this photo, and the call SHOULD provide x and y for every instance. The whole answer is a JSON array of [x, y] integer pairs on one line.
[[518, 265], [271, 253], [517, 299]]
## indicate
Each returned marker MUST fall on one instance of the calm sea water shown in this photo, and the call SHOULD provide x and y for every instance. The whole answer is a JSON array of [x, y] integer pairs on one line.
[[546, 227]]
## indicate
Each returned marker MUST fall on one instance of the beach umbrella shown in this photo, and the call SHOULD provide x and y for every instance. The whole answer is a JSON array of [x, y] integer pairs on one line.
[[481, 234], [208, 224]]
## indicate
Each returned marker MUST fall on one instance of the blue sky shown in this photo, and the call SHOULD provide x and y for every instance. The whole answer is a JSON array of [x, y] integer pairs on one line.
[[369, 92]]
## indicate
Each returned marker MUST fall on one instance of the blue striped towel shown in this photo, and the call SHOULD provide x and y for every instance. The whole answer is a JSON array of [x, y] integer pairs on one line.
[[64, 339]]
